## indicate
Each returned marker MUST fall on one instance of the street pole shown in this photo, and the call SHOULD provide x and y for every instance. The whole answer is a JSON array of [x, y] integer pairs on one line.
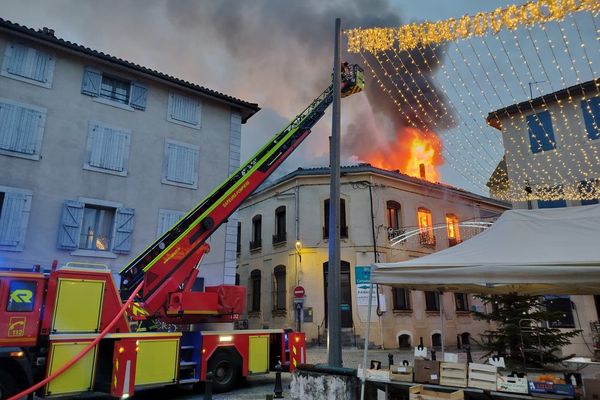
[[334, 333]]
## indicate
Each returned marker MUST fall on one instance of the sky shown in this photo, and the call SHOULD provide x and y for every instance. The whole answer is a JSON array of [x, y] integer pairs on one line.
[[276, 53]]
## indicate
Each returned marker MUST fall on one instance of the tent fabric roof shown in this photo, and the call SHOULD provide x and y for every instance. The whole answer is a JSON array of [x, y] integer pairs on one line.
[[543, 251]]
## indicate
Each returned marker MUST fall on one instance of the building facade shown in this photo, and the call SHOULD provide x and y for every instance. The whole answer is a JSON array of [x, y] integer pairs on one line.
[[552, 159], [99, 156], [283, 243]]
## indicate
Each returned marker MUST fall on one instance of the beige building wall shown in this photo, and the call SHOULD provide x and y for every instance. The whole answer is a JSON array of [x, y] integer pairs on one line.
[[303, 194]]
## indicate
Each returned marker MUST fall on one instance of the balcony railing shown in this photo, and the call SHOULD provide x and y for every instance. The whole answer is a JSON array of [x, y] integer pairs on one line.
[[453, 242], [395, 232], [279, 238], [255, 244], [343, 232]]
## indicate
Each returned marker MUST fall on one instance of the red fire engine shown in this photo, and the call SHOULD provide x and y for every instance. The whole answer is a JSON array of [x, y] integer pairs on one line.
[[48, 319]]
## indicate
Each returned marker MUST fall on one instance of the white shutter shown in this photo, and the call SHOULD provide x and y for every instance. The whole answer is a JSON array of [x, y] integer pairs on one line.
[[181, 163], [184, 109], [167, 219], [69, 228], [21, 128], [107, 148]]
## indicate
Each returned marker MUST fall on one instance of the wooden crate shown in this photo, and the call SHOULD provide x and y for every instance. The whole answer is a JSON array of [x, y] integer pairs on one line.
[[418, 392], [427, 371], [483, 376], [453, 374], [401, 373]]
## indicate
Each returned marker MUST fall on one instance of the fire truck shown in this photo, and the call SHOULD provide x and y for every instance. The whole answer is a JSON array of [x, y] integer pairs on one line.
[[48, 319]]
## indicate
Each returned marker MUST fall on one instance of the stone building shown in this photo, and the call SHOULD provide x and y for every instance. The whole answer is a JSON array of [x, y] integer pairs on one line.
[[99, 155], [283, 243]]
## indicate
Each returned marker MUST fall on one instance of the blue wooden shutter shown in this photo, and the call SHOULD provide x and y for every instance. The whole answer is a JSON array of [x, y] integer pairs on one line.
[[16, 59], [11, 220], [108, 147], [541, 136], [41, 65], [92, 80], [123, 230], [138, 96], [19, 128], [591, 116], [182, 164], [69, 229], [184, 109], [167, 219]]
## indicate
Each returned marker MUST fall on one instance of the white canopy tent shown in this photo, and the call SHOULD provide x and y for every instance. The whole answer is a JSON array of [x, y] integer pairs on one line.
[[543, 251]]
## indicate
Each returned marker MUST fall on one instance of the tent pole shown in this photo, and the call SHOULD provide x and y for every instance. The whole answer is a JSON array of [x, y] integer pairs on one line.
[[366, 344], [443, 324]]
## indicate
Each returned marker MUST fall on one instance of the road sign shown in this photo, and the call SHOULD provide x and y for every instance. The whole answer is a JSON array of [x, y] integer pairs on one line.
[[299, 292]]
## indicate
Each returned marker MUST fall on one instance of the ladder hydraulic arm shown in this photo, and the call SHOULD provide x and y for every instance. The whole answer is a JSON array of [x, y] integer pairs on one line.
[[168, 263]]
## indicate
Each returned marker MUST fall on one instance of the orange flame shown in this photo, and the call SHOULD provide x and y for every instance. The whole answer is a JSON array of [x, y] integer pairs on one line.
[[412, 149]]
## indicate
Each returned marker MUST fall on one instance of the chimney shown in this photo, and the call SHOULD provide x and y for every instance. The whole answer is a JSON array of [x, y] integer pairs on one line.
[[422, 171], [48, 31]]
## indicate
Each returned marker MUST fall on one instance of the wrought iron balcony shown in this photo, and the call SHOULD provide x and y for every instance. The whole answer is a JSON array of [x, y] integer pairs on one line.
[[279, 238], [427, 239], [255, 244], [343, 232]]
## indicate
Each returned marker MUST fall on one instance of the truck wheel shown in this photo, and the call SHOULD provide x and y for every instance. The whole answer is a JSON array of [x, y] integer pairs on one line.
[[8, 385], [226, 371]]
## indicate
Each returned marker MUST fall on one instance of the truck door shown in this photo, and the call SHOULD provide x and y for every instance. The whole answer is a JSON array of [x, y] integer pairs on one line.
[[20, 302]]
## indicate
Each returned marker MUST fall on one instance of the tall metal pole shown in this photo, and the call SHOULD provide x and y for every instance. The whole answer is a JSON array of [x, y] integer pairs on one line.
[[334, 333]]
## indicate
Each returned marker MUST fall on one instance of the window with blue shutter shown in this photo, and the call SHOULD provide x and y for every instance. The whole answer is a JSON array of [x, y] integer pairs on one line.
[[21, 129], [167, 219], [107, 148], [539, 129], [69, 229], [28, 64], [114, 89], [184, 110], [14, 213], [123, 230], [181, 164], [591, 116]]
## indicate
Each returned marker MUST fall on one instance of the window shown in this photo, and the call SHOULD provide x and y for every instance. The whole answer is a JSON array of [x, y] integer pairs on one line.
[[452, 230], [97, 226], [343, 226], [462, 301], [591, 116], [465, 339], [426, 236], [539, 129], [184, 110], [404, 341], [401, 299], [107, 149], [15, 207], [432, 301], [256, 242], [25, 292], [113, 89], [562, 310], [394, 218], [21, 129], [280, 231], [167, 219], [28, 64], [436, 340], [279, 295], [255, 290], [181, 164]]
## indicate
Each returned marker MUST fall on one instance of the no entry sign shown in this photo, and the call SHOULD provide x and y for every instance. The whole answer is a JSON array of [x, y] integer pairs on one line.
[[299, 292]]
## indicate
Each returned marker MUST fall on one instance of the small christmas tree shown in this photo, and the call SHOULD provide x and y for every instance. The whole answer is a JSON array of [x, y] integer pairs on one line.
[[523, 327]]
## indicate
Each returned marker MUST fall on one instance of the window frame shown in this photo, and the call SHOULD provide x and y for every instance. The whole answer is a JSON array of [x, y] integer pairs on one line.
[[343, 222], [453, 221], [426, 235], [36, 156], [170, 103], [256, 242], [280, 236], [255, 283], [165, 178], [50, 69], [465, 300], [405, 296], [437, 301], [543, 119], [126, 149], [24, 218], [279, 289]]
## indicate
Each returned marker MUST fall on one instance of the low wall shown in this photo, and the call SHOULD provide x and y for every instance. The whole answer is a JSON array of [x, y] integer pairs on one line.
[[319, 382]]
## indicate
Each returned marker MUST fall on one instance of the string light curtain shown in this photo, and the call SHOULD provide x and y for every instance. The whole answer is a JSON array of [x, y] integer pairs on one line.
[[478, 75]]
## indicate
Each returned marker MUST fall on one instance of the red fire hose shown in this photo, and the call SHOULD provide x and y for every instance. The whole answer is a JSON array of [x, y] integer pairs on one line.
[[83, 352]]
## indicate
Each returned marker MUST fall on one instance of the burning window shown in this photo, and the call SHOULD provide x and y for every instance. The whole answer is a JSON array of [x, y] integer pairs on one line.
[[424, 219], [452, 229]]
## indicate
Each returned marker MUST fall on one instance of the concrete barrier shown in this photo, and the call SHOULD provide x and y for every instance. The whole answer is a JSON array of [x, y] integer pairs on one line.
[[321, 382]]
